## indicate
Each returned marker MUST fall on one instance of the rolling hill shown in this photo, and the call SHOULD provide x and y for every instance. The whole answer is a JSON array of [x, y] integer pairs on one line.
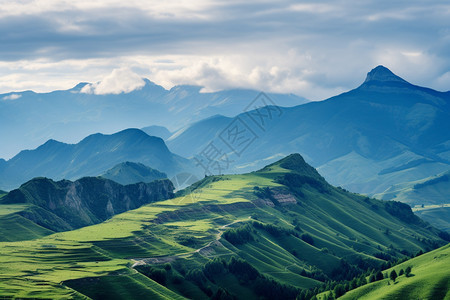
[[129, 172], [429, 279], [264, 234], [70, 115], [386, 131], [92, 156]]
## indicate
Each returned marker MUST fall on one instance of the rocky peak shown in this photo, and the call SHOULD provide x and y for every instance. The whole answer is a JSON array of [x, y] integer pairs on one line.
[[382, 74]]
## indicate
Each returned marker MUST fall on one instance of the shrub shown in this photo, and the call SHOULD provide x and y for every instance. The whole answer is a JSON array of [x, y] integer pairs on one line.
[[240, 235], [307, 239], [393, 275]]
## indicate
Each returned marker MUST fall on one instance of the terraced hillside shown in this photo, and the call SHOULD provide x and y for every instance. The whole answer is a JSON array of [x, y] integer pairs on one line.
[[258, 235]]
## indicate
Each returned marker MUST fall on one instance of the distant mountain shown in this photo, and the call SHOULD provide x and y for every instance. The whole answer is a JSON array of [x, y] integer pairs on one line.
[[129, 173], [430, 196], [433, 190], [70, 115], [384, 132], [67, 205], [91, 157], [159, 131]]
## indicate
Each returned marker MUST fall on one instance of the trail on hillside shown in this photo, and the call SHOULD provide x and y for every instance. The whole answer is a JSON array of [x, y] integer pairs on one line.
[[169, 258]]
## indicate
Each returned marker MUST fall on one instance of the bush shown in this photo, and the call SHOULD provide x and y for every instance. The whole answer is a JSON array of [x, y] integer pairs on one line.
[[240, 235], [156, 274], [214, 267], [393, 275], [307, 239]]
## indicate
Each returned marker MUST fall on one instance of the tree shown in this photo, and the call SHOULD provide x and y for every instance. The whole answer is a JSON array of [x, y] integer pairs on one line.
[[393, 275], [408, 271], [401, 272], [379, 276], [339, 290]]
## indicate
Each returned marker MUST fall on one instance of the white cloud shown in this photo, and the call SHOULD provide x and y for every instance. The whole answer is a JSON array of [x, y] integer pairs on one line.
[[119, 81], [12, 97], [314, 49]]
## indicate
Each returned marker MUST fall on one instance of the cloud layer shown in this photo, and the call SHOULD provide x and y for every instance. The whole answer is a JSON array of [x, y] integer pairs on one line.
[[312, 48]]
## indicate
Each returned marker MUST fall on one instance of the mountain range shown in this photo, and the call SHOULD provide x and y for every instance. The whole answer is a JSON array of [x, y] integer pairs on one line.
[[385, 132], [92, 156], [29, 119], [279, 232]]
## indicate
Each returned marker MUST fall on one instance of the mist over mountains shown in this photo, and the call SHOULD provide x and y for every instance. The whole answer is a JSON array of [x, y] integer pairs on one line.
[[29, 119]]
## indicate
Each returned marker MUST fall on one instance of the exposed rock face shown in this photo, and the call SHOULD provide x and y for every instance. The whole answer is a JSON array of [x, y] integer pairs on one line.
[[65, 205], [284, 199]]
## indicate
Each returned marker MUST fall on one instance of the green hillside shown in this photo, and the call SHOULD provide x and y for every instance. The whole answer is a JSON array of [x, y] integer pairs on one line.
[[429, 279], [267, 234]]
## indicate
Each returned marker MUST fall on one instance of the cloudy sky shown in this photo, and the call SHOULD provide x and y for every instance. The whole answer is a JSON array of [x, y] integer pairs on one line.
[[312, 48]]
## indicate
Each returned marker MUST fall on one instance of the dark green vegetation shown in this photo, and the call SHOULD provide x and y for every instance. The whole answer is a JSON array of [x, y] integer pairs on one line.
[[129, 172], [282, 229], [386, 131], [42, 206], [93, 156]]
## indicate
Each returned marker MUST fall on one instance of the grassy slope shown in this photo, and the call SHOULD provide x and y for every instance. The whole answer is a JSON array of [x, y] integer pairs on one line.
[[430, 280], [347, 225]]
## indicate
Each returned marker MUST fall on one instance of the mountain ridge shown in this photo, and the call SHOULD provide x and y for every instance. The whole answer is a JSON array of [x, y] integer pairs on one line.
[[351, 138], [70, 115], [69, 205], [92, 156]]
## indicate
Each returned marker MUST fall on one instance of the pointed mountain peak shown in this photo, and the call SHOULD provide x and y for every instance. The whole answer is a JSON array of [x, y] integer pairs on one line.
[[382, 74], [296, 164]]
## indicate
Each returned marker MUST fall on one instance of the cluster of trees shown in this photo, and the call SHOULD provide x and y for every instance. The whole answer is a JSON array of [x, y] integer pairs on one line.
[[240, 235], [274, 230], [247, 276], [339, 288], [158, 274], [401, 211], [296, 181]]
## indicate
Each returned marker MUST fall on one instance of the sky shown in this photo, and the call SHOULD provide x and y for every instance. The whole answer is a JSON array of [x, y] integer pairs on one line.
[[314, 49]]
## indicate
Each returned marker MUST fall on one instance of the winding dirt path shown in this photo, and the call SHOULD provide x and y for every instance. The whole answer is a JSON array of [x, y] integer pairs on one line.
[[169, 258]]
